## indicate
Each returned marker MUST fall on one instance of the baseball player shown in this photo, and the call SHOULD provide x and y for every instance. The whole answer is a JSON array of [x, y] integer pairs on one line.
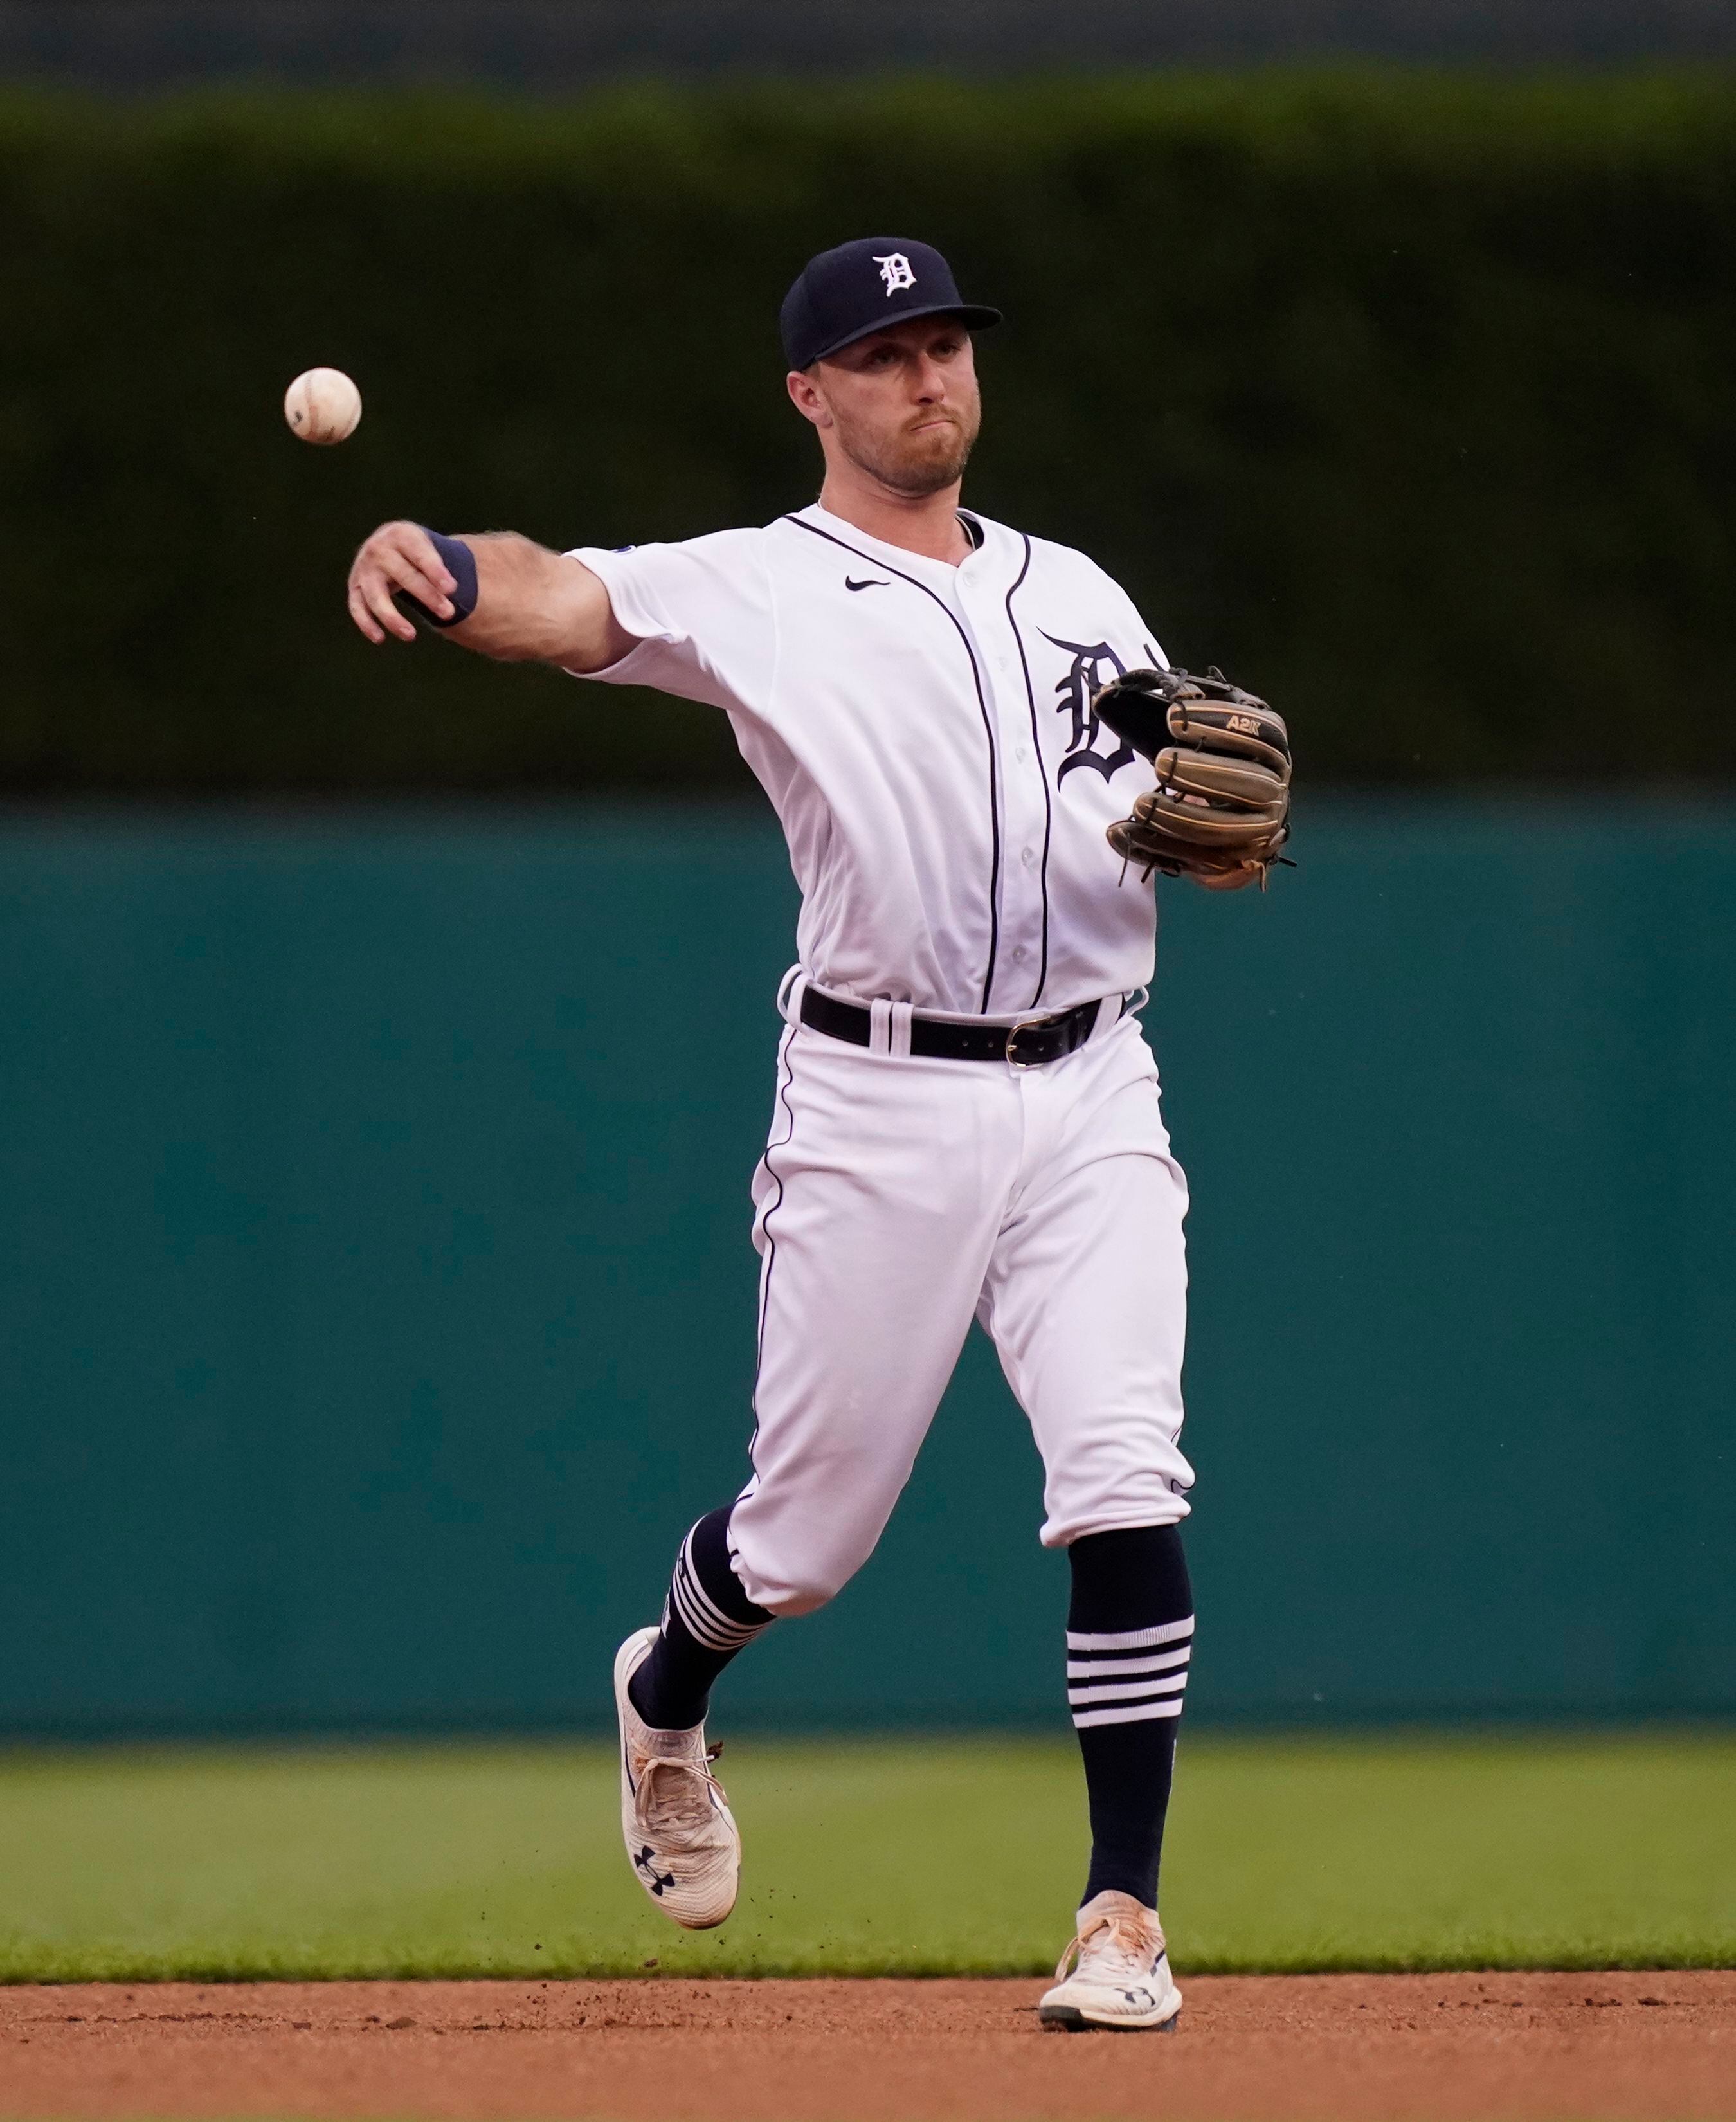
[[979, 757]]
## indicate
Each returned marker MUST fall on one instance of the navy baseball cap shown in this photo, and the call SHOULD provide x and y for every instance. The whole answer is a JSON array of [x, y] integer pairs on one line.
[[844, 294]]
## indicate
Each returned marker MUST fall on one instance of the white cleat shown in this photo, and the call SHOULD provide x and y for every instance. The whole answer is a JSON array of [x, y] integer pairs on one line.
[[1122, 1982], [681, 1834]]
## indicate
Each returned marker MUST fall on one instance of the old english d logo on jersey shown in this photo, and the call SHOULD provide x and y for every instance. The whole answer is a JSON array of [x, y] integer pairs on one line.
[[1094, 665]]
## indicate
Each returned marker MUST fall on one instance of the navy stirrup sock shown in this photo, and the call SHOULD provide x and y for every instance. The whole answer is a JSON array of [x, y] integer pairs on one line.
[[707, 1619], [1129, 1636]]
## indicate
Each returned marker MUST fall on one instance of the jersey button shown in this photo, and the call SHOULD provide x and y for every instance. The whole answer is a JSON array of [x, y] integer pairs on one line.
[[1028, 857], [1020, 955]]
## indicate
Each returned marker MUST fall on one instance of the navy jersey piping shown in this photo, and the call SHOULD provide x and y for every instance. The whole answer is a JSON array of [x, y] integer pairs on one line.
[[786, 1076], [1043, 772], [787, 1070], [988, 731]]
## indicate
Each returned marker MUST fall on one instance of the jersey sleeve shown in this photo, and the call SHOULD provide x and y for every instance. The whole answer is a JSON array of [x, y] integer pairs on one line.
[[1125, 628], [702, 613], [1142, 638]]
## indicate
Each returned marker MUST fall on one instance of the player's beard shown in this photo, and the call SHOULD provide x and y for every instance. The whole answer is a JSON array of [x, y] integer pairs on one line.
[[912, 463]]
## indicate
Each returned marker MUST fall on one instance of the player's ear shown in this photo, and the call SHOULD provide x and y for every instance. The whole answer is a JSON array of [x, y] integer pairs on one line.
[[806, 397]]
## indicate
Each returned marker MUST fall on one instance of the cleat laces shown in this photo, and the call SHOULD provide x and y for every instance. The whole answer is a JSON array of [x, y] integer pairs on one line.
[[1118, 1950], [678, 1796]]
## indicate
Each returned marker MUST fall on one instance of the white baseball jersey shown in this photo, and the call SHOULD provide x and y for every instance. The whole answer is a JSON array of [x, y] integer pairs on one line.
[[925, 732]]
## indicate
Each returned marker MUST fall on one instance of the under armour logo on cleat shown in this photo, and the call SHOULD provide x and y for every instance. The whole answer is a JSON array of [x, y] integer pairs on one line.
[[873, 582], [646, 1864]]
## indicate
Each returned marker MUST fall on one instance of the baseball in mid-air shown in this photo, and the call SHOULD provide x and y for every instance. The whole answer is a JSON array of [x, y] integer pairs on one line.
[[322, 405]]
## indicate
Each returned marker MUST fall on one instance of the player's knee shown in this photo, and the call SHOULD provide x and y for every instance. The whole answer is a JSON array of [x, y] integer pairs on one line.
[[806, 1589], [791, 1569], [798, 1588], [802, 1599]]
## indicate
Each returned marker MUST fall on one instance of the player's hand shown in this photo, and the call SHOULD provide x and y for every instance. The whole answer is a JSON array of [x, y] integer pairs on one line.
[[398, 556]]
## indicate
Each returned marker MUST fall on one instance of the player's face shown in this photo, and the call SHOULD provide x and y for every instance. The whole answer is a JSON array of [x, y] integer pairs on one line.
[[902, 404]]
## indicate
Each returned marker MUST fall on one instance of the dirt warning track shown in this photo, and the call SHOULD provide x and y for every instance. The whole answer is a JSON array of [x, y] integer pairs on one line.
[[1453, 2048]]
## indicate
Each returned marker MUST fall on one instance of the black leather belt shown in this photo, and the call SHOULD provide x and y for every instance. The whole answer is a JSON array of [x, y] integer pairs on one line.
[[1026, 1045]]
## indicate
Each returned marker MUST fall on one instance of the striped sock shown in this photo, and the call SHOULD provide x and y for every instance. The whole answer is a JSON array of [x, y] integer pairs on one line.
[[1130, 1639], [707, 1619]]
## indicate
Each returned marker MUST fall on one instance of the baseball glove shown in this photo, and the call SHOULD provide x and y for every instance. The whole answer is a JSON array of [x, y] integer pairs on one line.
[[1221, 804]]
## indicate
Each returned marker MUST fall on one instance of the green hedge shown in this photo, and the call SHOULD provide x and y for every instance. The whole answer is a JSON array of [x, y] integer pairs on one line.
[[1411, 398]]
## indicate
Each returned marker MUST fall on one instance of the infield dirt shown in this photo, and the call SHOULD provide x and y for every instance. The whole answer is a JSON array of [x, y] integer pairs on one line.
[[1448, 2047]]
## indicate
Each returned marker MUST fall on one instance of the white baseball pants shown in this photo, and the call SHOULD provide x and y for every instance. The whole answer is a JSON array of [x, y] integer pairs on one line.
[[898, 1198]]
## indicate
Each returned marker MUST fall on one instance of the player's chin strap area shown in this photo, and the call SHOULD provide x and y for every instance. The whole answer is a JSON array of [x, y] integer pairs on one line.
[[895, 1028]]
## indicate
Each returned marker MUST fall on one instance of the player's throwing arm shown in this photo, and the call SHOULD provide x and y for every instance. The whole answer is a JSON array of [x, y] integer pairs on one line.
[[499, 594]]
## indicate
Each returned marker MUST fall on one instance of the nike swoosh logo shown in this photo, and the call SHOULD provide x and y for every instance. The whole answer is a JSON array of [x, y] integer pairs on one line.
[[873, 582]]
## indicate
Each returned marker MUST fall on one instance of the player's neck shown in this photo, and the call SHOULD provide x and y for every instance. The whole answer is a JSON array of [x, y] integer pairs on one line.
[[926, 524]]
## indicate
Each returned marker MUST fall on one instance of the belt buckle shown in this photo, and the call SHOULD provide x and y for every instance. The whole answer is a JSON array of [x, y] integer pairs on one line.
[[1013, 1030]]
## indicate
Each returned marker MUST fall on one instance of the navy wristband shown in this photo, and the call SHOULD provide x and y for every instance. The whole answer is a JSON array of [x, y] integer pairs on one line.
[[460, 564]]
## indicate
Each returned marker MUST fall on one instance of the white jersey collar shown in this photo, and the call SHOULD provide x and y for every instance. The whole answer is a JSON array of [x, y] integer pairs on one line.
[[936, 572]]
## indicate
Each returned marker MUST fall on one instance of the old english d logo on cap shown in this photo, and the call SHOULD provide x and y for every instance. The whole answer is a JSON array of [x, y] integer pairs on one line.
[[844, 294]]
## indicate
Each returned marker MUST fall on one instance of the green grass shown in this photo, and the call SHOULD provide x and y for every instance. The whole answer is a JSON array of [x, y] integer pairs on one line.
[[925, 1857]]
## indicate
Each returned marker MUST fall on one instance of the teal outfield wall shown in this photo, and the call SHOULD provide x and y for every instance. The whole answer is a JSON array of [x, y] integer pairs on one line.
[[378, 1302]]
